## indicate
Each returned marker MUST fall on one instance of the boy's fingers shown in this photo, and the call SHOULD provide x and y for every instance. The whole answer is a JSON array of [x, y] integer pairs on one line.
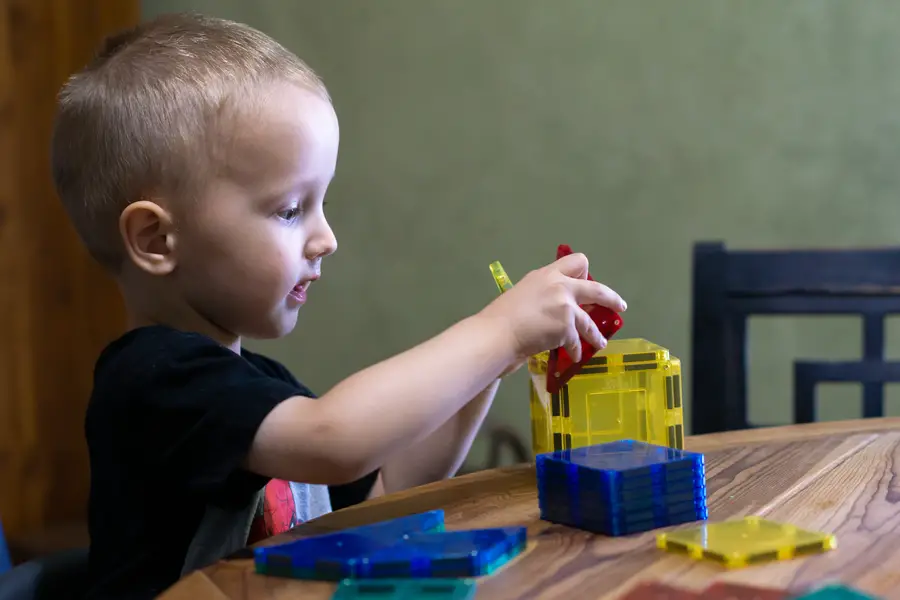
[[588, 330], [591, 292], [572, 343], [573, 265]]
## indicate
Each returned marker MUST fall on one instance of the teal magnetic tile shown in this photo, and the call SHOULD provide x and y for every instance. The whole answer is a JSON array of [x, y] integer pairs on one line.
[[406, 589], [835, 592]]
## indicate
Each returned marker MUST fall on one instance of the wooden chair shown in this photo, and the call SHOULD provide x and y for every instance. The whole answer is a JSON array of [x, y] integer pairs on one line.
[[63, 574], [729, 286]]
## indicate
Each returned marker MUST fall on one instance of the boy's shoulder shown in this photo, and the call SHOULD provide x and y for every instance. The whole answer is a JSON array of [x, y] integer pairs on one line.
[[170, 421], [157, 386], [148, 350], [147, 357]]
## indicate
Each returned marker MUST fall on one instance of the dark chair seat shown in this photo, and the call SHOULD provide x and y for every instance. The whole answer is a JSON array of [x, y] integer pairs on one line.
[[60, 576]]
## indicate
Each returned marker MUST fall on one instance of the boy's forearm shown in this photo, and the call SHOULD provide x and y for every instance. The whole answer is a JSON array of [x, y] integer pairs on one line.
[[376, 413], [441, 454]]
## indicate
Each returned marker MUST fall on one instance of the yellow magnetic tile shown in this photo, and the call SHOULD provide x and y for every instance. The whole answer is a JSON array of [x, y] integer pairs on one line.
[[745, 542], [634, 400]]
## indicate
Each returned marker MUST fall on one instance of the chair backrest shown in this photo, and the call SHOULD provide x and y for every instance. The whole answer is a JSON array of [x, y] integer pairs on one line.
[[729, 286], [61, 576]]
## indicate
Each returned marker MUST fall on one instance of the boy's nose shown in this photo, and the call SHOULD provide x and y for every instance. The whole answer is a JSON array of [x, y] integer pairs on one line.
[[321, 245]]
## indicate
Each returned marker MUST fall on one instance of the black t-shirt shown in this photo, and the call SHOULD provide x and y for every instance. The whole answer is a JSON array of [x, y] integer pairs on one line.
[[169, 423]]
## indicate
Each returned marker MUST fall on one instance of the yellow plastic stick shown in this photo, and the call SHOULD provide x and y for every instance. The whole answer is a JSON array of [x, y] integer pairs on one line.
[[500, 277], [503, 284]]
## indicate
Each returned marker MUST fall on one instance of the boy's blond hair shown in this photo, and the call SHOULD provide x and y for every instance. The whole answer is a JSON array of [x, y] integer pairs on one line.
[[144, 118]]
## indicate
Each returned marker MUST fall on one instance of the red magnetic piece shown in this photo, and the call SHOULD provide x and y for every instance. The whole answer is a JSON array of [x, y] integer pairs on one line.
[[653, 590], [724, 590], [560, 366]]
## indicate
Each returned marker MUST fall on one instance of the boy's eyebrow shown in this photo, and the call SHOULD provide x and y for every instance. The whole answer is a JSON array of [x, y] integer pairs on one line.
[[276, 194]]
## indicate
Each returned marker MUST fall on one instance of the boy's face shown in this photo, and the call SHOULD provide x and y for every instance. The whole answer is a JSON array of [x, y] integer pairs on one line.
[[250, 247]]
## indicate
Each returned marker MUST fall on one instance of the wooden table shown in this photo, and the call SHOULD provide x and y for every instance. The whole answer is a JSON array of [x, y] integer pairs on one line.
[[840, 477]]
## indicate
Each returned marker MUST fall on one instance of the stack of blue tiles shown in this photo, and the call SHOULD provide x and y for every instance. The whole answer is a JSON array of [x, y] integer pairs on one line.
[[622, 487]]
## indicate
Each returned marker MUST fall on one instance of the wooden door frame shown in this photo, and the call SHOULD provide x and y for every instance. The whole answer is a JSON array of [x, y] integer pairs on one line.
[[58, 309]]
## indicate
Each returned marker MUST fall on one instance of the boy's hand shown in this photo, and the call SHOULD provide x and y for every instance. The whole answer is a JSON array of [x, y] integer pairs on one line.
[[541, 312]]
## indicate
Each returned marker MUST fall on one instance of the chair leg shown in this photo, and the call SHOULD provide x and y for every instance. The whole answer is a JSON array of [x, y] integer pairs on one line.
[[804, 395]]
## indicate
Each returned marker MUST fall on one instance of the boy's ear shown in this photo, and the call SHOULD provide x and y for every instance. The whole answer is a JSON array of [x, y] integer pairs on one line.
[[149, 237]]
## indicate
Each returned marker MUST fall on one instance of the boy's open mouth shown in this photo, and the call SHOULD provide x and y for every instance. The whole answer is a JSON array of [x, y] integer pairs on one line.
[[298, 292]]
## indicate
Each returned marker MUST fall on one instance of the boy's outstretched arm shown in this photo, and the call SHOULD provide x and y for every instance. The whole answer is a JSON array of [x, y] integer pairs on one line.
[[376, 413], [442, 453], [353, 428]]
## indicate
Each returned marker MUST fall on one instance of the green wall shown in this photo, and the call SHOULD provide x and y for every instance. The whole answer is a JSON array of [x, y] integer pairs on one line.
[[496, 129]]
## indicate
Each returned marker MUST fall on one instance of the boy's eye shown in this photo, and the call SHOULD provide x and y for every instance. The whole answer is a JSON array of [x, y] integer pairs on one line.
[[290, 214]]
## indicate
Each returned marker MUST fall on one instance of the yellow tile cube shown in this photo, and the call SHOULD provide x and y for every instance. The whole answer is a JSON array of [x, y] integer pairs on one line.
[[629, 390]]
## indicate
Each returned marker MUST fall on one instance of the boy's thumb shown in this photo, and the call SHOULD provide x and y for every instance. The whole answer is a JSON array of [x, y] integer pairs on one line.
[[574, 265]]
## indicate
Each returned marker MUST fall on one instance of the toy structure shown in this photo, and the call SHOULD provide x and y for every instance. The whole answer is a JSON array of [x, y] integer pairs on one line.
[[621, 488], [745, 542], [608, 435], [410, 547], [560, 366], [629, 390]]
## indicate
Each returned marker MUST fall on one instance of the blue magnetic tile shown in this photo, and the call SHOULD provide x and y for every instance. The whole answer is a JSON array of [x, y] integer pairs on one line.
[[618, 478], [330, 555], [625, 458], [618, 527], [391, 589], [556, 467], [616, 493], [576, 513], [611, 487], [450, 554], [615, 480], [697, 495], [587, 503], [432, 520], [280, 557], [623, 493], [352, 555], [659, 478]]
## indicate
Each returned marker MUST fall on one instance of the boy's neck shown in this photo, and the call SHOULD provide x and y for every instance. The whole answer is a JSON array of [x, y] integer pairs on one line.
[[230, 341], [150, 307]]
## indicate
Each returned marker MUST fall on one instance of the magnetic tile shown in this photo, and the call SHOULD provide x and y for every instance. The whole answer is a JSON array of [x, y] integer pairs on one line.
[[351, 555], [658, 591], [744, 542], [835, 592], [724, 590], [412, 589]]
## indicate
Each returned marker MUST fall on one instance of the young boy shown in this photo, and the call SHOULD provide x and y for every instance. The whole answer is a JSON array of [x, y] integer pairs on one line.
[[193, 156]]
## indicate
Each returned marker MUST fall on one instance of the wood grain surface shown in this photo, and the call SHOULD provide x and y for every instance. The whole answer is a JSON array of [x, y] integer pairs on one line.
[[57, 308], [836, 477]]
